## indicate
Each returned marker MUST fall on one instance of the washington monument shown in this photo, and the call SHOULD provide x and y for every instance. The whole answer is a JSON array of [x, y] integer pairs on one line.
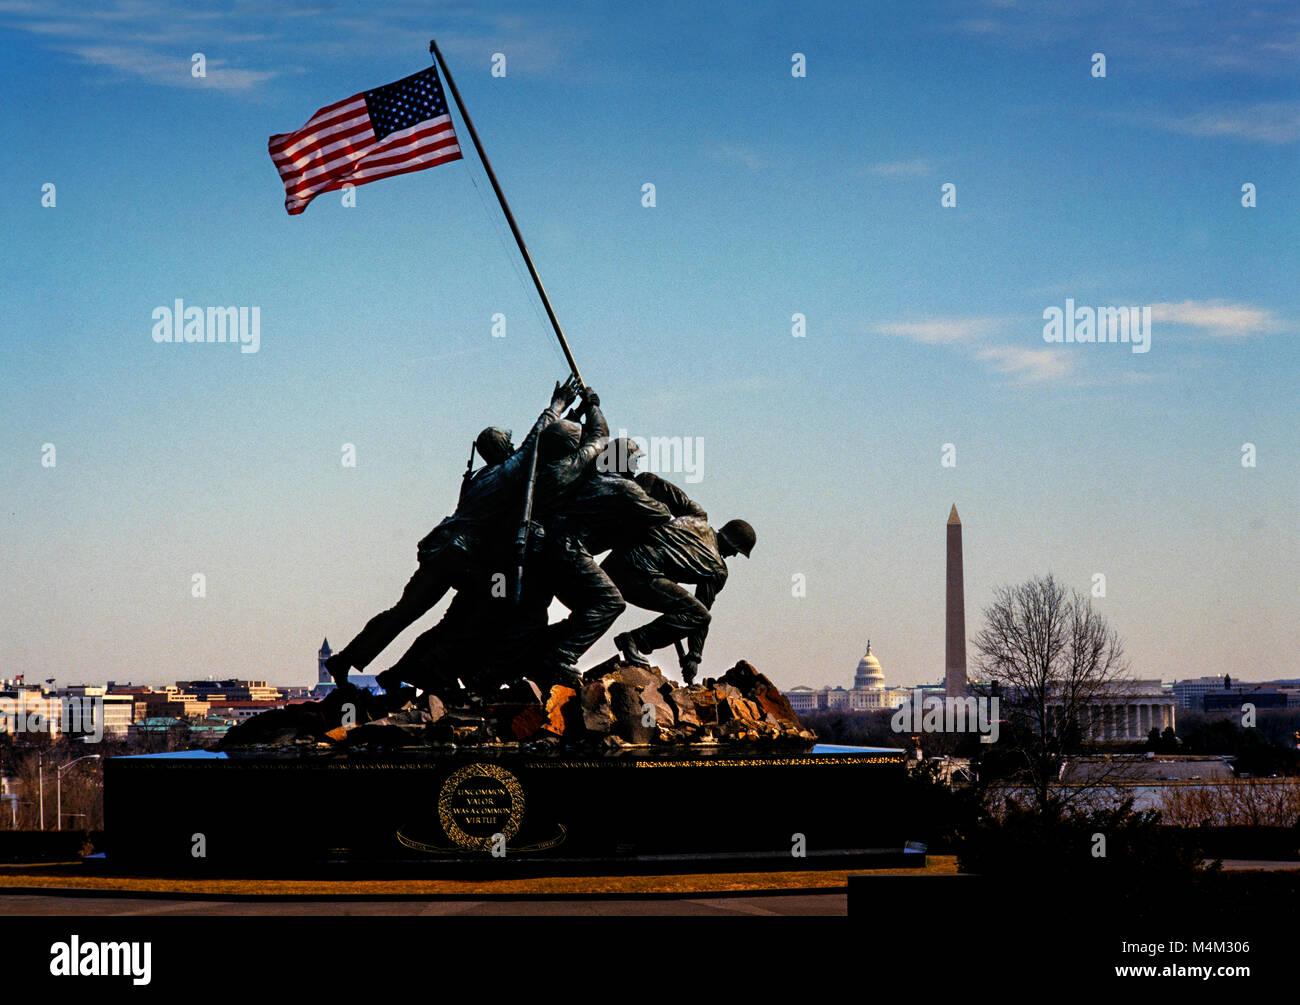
[[955, 650]]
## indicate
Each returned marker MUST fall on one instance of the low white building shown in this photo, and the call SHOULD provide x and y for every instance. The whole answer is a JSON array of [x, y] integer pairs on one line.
[[1128, 710], [89, 710], [868, 694], [27, 708]]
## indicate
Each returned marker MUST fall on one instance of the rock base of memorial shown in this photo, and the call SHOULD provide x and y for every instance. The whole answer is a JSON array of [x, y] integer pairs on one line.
[[618, 706], [505, 811], [628, 772]]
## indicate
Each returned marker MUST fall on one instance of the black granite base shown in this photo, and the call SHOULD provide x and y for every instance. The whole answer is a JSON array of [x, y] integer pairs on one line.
[[505, 810]]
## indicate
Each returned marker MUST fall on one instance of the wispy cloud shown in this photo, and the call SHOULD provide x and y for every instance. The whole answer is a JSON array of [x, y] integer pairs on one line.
[[529, 46], [974, 336], [171, 71], [1028, 366], [978, 26], [53, 27], [1219, 318], [151, 40], [940, 331], [1023, 366], [1266, 122], [737, 155], [1260, 40], [148, 41], [901, 169], [747, 384]]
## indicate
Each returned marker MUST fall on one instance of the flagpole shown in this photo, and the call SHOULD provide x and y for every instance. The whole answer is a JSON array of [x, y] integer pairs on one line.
[[505, 208], [521, 540]]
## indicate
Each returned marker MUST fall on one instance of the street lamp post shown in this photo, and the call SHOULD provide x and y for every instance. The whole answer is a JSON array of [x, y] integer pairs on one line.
[[59, 784]]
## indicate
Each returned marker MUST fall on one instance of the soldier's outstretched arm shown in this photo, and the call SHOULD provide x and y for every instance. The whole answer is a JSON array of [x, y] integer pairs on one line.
[[595, 437], [677, 501], [556, 477], [563, 394], [596, 427]]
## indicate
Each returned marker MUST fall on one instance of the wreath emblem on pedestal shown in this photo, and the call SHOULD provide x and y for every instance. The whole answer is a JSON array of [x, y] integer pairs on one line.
[[484, 798]]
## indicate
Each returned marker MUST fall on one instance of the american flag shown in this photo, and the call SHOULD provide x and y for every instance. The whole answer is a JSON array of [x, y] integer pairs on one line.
[[400, 127]]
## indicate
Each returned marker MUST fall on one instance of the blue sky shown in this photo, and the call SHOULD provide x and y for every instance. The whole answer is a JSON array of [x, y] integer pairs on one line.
[[775, 195]]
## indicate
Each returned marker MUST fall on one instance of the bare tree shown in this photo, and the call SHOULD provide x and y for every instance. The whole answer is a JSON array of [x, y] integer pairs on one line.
[[1257, 802], [1053, 659]]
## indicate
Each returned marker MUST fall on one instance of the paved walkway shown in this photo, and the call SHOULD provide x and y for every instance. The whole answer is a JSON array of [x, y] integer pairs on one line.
[[1240, 864], [45, 905], [51, 892]]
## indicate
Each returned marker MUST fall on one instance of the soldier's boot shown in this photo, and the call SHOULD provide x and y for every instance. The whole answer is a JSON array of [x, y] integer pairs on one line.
[[557, 670], [388, 680], [338, 667], [631, 654]]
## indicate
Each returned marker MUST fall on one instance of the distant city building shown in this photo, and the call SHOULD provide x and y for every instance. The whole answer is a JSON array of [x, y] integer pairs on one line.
[[1126, 711], [868, 694], [119, 713], [238, 711], [156, 726], [322, 672], [27, 704], [113, 687], [1146, 769], [1129, 710], [1232, 701], [229, 690], [209, 728], [88, 709], [1191, 692], [169, 703], [8, 797], [1209, 694]]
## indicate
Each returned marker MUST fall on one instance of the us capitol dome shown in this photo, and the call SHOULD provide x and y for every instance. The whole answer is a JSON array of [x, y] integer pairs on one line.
[[869, 675], [868, 694]]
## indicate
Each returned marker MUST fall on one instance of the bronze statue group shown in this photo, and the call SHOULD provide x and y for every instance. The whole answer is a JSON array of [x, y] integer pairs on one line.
[[526, 531]]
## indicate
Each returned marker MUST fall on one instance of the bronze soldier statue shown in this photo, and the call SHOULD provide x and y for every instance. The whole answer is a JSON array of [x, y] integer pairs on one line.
[[447, 554], [483, 635], [605, 509], [649, 574]]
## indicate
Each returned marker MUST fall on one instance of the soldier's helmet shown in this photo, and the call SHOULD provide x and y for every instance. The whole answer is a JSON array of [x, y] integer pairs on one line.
[[559, 439], [494, 444], [619, 457], [739, 535]]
